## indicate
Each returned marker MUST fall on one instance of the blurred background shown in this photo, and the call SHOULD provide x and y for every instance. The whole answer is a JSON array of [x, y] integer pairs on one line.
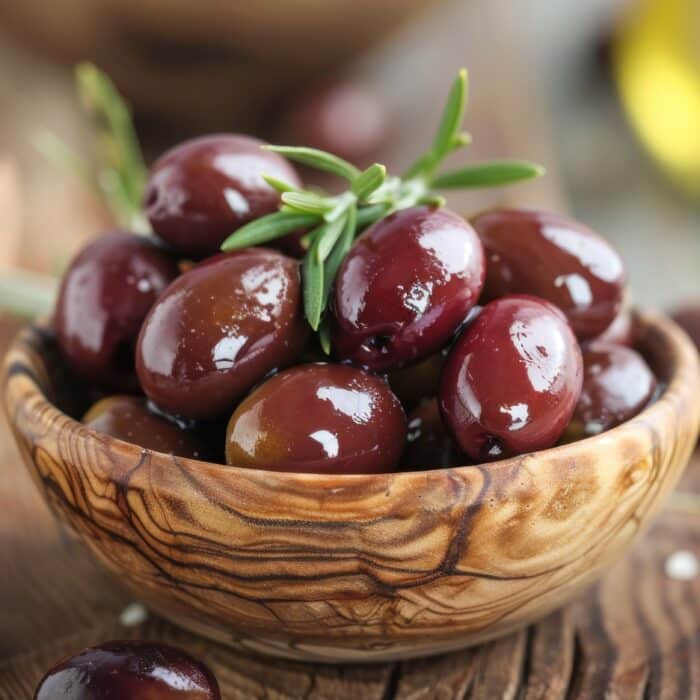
[[605, 94]]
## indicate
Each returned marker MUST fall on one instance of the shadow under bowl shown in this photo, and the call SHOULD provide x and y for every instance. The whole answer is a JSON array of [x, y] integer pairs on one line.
[[356, 568]]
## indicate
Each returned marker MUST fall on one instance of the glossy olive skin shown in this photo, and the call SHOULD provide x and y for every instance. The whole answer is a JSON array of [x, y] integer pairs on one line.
[[201, 191], [617, 385], [555, 258], [219, 329], [688, 318], [405, 287], [429, 444], [318, 418], [104, 297], [129, 669], [512, 380], [129, 418]]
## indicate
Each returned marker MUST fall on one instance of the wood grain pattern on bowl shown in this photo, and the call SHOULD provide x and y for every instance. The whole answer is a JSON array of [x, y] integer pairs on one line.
[[343, 568]]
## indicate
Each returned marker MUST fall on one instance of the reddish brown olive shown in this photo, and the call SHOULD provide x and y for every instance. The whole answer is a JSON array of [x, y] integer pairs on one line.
[[104, 297], [219, 329], [405, 287], [620, 332], [323, 418], [512, 380], [555, 258], [201, 191], [617, 385], [429, 444], [130, 670], [129, 418]]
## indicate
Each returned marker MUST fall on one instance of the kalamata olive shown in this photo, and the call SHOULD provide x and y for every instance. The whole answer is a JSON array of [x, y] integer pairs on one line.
[[688, 318], [129, 418], [617, 385], [219, 329], [344, 117], [405, 287], [555, 258], [130, 669], [428, 442], [201, 191], [620, 332], [105, 294], [324, 418], [512, 380]]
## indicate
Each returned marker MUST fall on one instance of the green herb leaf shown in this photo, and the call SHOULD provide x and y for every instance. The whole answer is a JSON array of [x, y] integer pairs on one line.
[[432, 200], [331, 233], [342, 246], [488, 175], [452, 115], [312, 275], [268, 228], [317, 159], [324, 336], [368, 215], [118, 147], [307, 202], [280, 185], [368, 181]]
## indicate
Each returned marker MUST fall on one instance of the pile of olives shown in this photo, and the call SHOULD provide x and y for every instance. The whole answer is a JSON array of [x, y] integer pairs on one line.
[[498, 335]]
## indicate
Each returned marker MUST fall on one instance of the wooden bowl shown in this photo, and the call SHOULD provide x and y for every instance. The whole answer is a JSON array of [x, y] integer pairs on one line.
[[356, 568]]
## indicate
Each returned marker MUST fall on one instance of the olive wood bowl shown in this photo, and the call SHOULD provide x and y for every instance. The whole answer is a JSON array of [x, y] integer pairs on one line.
[[356, 568]]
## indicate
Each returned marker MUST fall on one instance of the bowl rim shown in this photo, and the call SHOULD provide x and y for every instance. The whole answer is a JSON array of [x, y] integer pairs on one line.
[[683, 381]]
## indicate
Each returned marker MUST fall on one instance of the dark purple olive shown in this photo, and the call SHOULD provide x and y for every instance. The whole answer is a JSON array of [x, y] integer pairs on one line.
[[343, 117], [555, 258], [428, 442], [324, 418], [105, 294], [405, 287], [512, 380], [688, 318], [201, 191], [219, 329], [129, 671], [129, 418], [617, 385]]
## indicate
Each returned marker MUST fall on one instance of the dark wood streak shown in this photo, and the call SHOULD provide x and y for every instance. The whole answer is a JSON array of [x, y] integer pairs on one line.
[[383, 566]]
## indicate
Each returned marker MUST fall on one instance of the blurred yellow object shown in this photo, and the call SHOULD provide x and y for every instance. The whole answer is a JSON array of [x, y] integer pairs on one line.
[[656, 59]]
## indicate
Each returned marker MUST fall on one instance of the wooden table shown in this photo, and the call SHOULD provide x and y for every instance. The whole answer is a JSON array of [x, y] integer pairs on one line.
[[635, 635]]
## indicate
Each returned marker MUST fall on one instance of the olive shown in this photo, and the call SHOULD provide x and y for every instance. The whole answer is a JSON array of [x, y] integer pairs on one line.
[[129, 418], [201, 191], [555, 258], [104, 297], [129, 669], [428, 442], [621, 331], [219, 329], [617, 385], [512, 380], [324, 418], [405, 286]]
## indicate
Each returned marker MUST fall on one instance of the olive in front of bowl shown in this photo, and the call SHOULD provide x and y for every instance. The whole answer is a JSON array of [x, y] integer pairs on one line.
[[319, 418], [617, 385], [405, 287], [105, 294], [512, 380], [129, 669], [555, 258], [129, 418], [219, 329], [201, 191]]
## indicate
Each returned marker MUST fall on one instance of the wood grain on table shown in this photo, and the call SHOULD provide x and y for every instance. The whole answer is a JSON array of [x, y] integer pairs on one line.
[[634, 635]]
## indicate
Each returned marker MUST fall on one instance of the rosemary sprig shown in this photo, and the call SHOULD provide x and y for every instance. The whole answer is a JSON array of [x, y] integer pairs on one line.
[[335, 221], [121, 174]]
